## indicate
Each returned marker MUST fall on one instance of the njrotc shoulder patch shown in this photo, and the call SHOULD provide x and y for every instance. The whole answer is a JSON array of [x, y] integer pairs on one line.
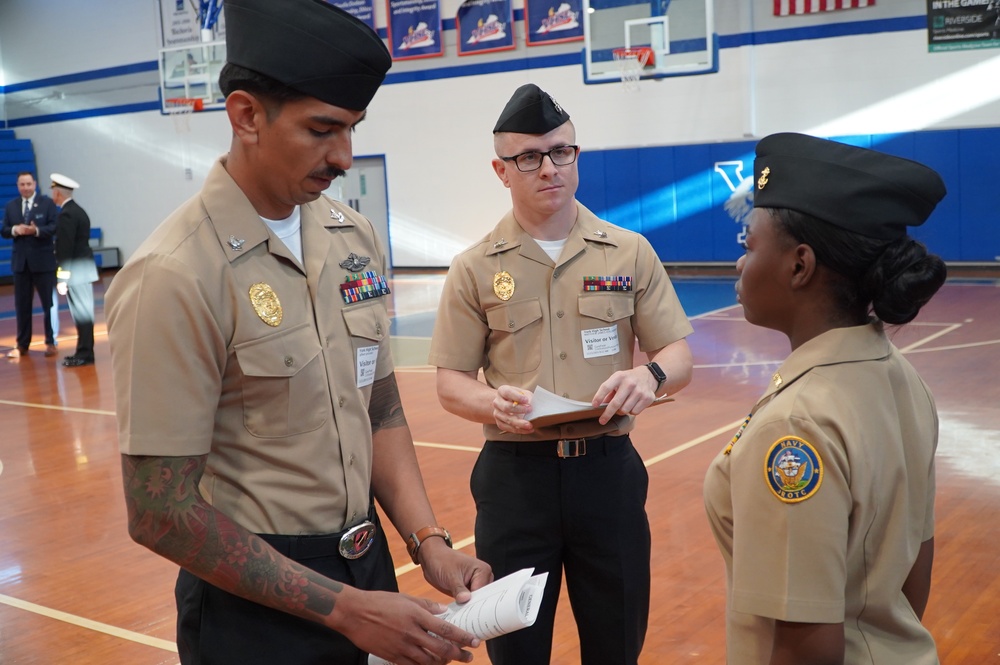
[[793, 469]]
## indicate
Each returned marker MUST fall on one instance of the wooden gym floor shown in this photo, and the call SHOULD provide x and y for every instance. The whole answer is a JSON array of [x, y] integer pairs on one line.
[[75, 590]]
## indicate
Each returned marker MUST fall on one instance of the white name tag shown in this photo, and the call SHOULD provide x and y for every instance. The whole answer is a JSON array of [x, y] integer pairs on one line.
[[599, 342], [367, 359]]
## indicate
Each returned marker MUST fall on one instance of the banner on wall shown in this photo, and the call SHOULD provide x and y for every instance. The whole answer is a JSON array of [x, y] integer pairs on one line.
[[414, 29], [798, 7], [552, 21], [363, 10], [180, 22], [485, 26], [961, 25]]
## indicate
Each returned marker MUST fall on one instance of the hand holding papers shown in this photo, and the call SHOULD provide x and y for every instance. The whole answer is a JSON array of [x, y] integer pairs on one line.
[[506, 605], [547, 408]]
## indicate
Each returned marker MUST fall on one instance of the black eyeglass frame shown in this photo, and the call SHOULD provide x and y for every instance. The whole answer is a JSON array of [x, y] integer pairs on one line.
[[541, 157]]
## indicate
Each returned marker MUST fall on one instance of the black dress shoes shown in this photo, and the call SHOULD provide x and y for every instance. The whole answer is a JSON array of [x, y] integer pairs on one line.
[[77, 361]]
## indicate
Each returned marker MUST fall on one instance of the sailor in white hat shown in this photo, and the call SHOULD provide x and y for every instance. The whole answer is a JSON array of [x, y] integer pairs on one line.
[[77, 271]]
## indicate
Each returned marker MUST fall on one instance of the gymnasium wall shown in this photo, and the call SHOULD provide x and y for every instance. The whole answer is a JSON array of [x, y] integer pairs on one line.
[[80, 80]]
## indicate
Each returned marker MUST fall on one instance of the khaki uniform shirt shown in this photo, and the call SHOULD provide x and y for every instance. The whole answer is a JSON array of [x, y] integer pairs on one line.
[[281, 406], [851, 429], [536, 337]]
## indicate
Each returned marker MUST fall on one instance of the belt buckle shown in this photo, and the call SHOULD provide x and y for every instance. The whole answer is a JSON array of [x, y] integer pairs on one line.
[[356, 542], [571, 448]]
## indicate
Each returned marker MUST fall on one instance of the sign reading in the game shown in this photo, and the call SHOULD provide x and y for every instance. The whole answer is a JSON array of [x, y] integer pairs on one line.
[[960, 25]]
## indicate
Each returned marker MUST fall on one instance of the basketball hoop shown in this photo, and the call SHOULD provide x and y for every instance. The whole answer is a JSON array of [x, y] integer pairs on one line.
[[631, 62], [180, 110]]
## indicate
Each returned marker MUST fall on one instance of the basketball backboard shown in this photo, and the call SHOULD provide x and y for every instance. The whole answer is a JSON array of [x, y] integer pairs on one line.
[[192, 72], [681, 34]]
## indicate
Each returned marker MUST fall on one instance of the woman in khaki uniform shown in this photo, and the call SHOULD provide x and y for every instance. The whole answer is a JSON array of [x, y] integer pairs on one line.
[[823, 502]]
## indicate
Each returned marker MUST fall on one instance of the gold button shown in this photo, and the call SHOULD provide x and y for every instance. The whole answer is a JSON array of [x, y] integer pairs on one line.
[[288, 361], [562, 355], [560, 313]]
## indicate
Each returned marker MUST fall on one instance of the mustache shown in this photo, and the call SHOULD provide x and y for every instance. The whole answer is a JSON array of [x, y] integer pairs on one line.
[[329, 173]]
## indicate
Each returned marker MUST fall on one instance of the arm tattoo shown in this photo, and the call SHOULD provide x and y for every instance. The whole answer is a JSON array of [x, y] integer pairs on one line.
[[167, 514], [385, 409]]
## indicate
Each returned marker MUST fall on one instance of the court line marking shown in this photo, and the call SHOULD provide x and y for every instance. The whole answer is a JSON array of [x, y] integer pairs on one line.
[[65, 617]]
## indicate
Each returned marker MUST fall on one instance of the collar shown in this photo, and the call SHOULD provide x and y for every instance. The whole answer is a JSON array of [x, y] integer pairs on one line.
[[834, 347], [238, 225], [589, 228]]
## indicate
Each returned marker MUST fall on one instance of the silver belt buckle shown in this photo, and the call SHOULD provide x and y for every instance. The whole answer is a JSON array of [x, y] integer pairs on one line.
[[357, 541], [571, 448]]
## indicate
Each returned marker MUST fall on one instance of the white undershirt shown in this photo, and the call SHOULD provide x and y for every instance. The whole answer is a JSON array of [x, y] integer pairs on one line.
[[288, 231], [552, 247]]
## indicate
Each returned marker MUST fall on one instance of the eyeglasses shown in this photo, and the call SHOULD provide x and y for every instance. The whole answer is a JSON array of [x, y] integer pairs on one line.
[[563, 155]]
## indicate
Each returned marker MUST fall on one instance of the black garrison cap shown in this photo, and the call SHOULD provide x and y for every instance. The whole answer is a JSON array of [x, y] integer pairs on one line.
[[531, 110], [863, 191], [310, 46]]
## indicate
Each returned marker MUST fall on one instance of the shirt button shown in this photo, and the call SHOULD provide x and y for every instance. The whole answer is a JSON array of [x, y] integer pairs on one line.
[[340, 402], [560, 313], [350, 461], [354, 515], [610, 312], [510, 324], [555, 274], [562, 355], [378, 328], [289, 361]]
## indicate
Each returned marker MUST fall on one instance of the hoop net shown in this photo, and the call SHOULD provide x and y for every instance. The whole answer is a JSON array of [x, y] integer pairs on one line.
[[180, 109], [631, 62]]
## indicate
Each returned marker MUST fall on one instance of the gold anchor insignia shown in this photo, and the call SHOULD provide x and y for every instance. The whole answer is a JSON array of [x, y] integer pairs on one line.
[[503, 285], [265, 303], [777, 380], [762, 180]]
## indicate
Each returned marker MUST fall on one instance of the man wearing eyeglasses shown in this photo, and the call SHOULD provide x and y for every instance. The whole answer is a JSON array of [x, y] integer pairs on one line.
[[559, 298]]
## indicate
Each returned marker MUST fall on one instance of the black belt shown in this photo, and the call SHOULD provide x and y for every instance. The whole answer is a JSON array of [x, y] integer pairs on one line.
[[561, 448], [351, 543]]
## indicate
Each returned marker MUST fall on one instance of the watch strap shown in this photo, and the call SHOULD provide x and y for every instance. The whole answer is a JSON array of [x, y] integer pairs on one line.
[[658, 374], [416, 539]]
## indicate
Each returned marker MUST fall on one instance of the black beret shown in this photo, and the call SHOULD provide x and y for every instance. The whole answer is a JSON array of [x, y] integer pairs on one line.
[[310, 46], [861, 190], [531, 110]]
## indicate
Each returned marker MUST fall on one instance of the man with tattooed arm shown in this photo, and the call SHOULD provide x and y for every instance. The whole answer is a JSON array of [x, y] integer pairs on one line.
[[258, 411]]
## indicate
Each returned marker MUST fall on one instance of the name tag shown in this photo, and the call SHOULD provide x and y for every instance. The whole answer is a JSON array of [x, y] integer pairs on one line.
[[366, 362], [599, 342]]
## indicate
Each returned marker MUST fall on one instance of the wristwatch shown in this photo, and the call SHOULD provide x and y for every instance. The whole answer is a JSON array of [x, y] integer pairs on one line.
[[658, 374], [415, 540]]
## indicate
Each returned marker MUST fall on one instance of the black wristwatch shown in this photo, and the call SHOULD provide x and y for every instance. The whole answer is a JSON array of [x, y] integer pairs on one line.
[[658, 374]]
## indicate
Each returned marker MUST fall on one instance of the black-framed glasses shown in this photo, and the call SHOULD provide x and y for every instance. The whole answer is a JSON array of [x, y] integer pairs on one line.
[[563, 155]]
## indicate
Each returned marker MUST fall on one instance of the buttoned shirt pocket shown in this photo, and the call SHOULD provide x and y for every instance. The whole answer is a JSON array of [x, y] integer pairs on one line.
[[515, 336], [284, 384], [369, 321], [604, 310]]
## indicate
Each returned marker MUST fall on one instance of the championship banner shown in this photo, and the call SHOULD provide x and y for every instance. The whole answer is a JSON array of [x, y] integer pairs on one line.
[[485, 26], [552, 21], [961, 25], [414, 29], [363, 10]]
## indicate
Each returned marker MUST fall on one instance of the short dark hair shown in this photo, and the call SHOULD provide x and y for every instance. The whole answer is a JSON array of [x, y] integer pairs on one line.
[[891, 279], [21, 173], [272, 94]]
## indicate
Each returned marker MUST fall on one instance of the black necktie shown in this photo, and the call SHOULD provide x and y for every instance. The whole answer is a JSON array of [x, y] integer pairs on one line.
[[27, 207]]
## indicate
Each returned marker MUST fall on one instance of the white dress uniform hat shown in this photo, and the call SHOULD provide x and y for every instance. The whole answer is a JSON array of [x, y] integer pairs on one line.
[[64, 181]]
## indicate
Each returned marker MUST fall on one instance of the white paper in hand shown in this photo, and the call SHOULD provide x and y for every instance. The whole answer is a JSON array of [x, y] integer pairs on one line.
[[506, 605]]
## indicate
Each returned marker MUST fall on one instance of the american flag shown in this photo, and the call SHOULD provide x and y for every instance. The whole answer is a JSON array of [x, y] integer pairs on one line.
[[794, 7]]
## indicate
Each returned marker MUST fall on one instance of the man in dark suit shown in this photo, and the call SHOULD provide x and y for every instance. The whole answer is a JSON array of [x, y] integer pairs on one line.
[[30, 219], [77, 272]]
